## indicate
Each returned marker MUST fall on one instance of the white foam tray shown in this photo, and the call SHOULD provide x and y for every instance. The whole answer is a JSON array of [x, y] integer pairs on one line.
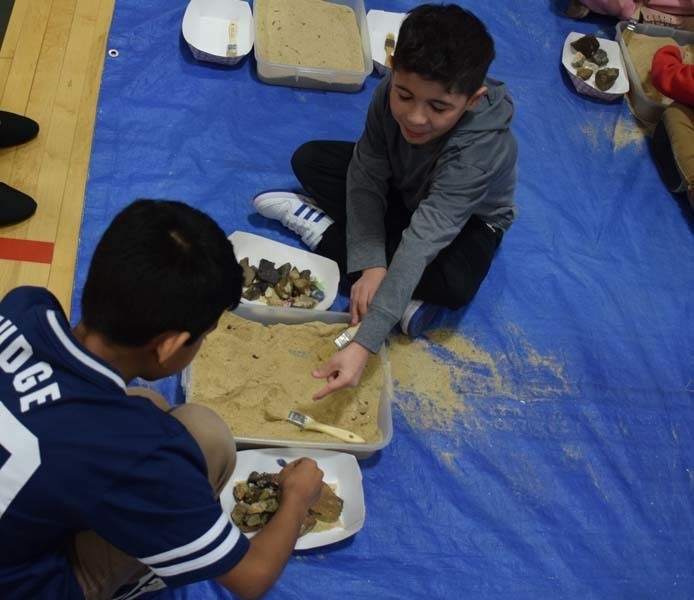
[[381, 23], [206, 29], [340, 471], [588, 87], [255, 247]]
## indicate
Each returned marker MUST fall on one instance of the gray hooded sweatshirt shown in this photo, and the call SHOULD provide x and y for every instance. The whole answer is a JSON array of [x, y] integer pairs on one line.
[[469, 171]]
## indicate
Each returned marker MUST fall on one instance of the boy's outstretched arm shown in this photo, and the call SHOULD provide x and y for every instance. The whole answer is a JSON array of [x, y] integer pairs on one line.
[[257, 571], [343, 369]]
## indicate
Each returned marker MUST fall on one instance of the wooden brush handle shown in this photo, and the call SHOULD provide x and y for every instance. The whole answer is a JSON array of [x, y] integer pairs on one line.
[[341, 434], [389, 48]]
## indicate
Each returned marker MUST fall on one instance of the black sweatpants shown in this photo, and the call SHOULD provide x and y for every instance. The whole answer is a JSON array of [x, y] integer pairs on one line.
[[451, 279]]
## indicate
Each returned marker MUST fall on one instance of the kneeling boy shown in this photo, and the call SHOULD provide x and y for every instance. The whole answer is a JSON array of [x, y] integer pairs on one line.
[[98, 486]]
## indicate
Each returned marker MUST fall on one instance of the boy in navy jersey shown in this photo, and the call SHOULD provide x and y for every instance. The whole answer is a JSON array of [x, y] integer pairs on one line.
[[102, 486]]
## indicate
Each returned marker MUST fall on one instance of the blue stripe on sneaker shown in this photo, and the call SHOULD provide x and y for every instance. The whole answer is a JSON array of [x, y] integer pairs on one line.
[[309, 214], [319, 217], [300, 210]]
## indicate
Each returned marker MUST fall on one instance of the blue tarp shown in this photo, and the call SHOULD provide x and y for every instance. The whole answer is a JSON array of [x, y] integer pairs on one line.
[[577, 480]]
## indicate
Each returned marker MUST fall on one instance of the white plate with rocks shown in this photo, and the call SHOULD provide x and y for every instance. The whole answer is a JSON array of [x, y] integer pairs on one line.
[[341, 471], [593, 71], [324, 271]]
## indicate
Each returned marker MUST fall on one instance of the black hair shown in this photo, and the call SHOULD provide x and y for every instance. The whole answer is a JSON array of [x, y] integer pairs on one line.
[[445, 43], [161, 265]]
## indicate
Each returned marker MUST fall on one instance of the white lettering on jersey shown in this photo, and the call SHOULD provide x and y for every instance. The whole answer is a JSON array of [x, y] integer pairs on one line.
[[24, 459], [29, 377], [14, 354], [6, 329], [49, 392]]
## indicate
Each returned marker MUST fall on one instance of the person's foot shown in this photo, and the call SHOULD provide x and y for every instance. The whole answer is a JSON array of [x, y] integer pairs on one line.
[[417, 317], [296, 212], [16, 129], [15, 206]]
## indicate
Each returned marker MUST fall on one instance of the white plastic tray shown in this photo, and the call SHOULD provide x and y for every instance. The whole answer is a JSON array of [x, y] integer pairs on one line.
[[255, 247], [588, 87], [321, 79], [206, 29], [340, 470], [292, 316], [380, 24]]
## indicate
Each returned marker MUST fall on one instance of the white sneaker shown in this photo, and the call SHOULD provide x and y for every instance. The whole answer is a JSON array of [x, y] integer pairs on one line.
[[296, 212]]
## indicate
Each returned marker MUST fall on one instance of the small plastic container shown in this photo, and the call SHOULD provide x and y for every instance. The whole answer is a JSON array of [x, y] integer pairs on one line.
[[206, 29], [321, 79], [646, 109], [269, 315], [588, 87]]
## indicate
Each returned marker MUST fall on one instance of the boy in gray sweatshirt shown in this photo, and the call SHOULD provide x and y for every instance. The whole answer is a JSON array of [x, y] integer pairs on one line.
[[415, 210]]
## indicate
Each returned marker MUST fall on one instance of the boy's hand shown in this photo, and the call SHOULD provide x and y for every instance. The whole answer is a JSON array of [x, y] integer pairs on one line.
[[302, 480], [342, 370], [363, 292], [300, 484]]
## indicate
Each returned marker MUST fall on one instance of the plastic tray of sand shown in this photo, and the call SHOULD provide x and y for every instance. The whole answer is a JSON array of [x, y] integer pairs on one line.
[[263, 355], [312, 43]]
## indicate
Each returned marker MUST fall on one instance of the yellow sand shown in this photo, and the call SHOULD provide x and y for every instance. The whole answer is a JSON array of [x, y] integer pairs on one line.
[[243, 366], [431, 388], [308, 33], [433, 376], [627, 133]]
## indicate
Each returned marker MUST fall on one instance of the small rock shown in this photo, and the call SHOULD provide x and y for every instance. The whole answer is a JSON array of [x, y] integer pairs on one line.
[[267, 272], [248, 272], [600, 58], [605, 78], [578, 60], [584, 73], [588, 44]]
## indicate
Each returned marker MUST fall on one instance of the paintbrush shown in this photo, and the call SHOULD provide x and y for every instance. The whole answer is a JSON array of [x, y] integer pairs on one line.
[[389, 47], [232, 47], [346, 336], [275, 413]]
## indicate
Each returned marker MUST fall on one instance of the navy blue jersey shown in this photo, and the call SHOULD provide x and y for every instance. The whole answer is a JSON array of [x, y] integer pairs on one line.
[[78, 453]]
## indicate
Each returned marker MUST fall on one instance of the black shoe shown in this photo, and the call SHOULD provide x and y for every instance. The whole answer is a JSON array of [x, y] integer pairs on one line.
[[16, 129], [15, 206]]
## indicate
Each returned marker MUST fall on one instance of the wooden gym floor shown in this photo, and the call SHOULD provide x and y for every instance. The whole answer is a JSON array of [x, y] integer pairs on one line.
[[51, 62]]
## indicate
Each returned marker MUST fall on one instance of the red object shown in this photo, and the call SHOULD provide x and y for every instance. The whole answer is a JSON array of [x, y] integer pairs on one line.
[[26, 250], [671, 76]]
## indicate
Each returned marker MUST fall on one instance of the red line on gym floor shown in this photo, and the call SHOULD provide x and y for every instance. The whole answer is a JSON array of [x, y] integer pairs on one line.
[[26, 250]]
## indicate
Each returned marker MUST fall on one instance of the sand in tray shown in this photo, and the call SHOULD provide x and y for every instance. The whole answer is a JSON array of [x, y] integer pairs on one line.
[[243, 367], [309, 33]]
